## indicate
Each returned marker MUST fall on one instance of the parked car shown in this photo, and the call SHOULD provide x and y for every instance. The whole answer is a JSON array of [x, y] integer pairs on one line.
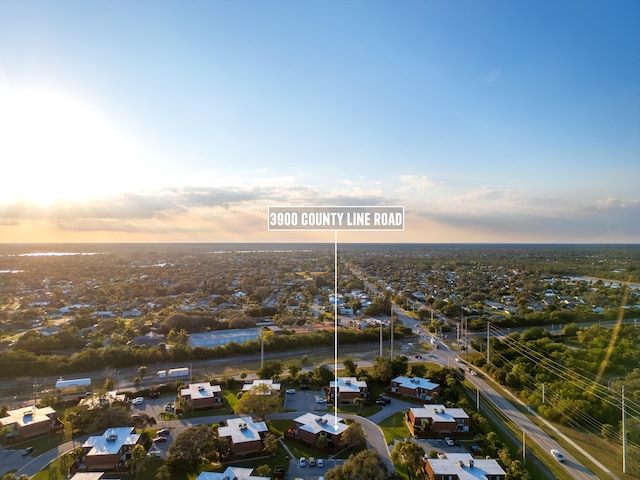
[[163, 431], [153, 453], [312, 461], [302, 462], [160, 439], [381, 402], [386, 400], [449, 441], [321, 463], [168, 407], [304, 386], [137, 401], [27, 451], [321, 400], [291, 390]]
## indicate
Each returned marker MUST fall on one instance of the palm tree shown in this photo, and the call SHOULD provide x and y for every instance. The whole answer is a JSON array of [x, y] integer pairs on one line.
[[138, 459]]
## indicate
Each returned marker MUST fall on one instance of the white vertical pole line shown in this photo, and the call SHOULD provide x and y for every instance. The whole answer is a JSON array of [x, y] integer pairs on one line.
[[335, 327]]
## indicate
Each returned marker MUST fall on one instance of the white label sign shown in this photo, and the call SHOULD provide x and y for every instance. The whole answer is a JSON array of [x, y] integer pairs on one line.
[[336, 218]]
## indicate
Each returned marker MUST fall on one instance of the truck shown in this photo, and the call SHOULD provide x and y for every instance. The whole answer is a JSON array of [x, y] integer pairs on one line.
[[179, 372], [173, 373], [78, 382]]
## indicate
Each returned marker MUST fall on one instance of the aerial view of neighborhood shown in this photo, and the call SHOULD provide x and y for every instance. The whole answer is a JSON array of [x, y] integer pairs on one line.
[[319, 240], [222, 361]]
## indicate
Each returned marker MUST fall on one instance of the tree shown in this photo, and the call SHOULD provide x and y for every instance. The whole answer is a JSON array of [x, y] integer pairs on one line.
[[354, 435], [270, 369], [408, 455], [271, 443], [190, 447], [142, 371], [262, 471], [365, 465], [259, 401], [382, 369], [294, 368], [350, 366], [138, 459], [418, 370]]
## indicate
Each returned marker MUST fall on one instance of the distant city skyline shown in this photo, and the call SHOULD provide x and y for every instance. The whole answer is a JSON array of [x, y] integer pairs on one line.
[[489, 122]]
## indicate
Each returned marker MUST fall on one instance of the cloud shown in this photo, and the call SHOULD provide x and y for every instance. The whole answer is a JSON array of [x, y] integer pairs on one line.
[[418, 181], [492, 77], [238, 213]]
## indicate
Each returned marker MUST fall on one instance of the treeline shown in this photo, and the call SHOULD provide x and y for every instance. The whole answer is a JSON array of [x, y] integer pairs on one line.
[[557, 317], [568, 384], [20, 363]]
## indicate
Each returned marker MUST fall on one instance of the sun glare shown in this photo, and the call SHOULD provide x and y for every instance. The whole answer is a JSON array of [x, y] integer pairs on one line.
[[55, 147]]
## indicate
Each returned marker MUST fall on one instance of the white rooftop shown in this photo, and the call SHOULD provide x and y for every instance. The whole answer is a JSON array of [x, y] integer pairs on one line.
[[111, 441], [242, 430], [465, 467], [200, 390], [414, 383], [310, 422], [273, 386], [439, 413], [348, 384], [27, 416], [239, 473]]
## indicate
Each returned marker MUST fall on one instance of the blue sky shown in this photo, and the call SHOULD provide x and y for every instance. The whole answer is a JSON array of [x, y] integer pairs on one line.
[[489, 121]]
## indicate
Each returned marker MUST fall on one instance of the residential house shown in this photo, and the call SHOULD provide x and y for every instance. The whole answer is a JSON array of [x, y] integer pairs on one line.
[[348, 389], [237, 473], [88, 476], [462, 466], [28, 422], [203, 395], [109, 451], [308, 427], [434, 421], [414, 387], [274, 387], [244, 435]]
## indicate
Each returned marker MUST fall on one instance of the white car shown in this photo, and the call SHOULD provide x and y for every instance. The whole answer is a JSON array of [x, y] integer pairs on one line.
[[321, 400], [137, 401], [449, 442], [291, 390], [558, 456], [302, 462], [321, 463]]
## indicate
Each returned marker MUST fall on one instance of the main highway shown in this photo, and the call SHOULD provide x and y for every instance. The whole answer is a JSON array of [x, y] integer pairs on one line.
[[532, 433]]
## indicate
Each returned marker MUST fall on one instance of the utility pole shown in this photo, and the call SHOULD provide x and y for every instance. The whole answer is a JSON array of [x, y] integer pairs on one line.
[[261, 348], [380, 339], [624, 435], [524, 447], [391, 323], [488, 346]]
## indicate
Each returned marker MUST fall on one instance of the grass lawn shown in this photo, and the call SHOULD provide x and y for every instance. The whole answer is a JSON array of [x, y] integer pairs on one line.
[[394, 427]]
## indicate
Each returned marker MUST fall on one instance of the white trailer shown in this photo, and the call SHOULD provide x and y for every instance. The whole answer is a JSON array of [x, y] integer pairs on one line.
[[179, 372], [78, 382], [162, 374]]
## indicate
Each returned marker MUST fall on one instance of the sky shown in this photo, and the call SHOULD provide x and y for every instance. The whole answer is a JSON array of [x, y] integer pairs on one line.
[[169, 121]]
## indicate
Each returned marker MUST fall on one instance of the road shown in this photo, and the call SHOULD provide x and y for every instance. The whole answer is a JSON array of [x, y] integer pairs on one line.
[[533, 433]]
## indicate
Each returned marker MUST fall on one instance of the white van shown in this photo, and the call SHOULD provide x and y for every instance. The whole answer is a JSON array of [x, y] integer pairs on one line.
[[557, 455]]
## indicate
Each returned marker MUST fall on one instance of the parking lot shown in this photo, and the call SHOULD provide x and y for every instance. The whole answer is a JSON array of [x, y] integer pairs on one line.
[[310, 473], [304, 401]]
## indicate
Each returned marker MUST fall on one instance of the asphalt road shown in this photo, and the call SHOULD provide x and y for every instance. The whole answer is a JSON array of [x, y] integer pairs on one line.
[[445, 356]]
